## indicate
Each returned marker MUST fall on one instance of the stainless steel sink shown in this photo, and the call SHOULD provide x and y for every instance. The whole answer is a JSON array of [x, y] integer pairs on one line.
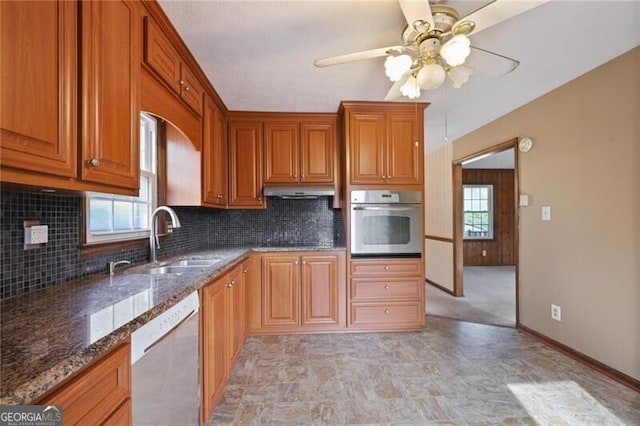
[[197, 262], [173, 269], [184, 266]]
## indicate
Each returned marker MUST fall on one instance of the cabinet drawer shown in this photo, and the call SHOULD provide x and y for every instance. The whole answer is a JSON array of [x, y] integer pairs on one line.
[[393, 313], [97, 393], [387, 289], [386, 267]]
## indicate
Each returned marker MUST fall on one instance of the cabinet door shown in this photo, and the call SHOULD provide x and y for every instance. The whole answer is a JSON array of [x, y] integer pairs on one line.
[[111, 48], [280, 291], [245, 145], [38, 53], [161, 56], [281, 152], [237, 304], [404, 149], [96, 393], [317, 152], [122, 416], [253, 290], [214, 338], [320, 289], [214, 156], [192, 90], [366, 147]]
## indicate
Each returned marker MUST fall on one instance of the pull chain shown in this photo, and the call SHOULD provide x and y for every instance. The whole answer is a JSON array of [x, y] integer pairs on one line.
[[446, 110]]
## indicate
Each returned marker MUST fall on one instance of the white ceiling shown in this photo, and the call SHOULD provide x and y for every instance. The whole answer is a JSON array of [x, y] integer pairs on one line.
[[259, 54]]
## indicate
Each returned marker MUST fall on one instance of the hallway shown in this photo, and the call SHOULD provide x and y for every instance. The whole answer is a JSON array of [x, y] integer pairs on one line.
[[489, 297]]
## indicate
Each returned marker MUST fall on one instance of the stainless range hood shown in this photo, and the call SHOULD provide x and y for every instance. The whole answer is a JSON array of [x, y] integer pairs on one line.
[[299, 192]]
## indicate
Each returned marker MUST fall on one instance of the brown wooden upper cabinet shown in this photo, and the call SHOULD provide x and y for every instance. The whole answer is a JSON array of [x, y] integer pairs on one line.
[[42, 114], [38, 118], [110, 92], [384, 142], [245, 164], [214, 156], [163, 58], [299, 151]]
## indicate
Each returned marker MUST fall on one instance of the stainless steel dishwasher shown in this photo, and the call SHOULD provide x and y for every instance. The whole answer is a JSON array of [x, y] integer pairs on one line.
[[165, 367]]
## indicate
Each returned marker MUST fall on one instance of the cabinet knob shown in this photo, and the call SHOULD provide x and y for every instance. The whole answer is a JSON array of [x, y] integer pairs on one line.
[[233, 282], [245, 270], [304, 262], [296, 262], [295, 176], [186, 88], [94, 162], [229, 285], [181, 82], [386, 287], [302, 176], [389, 177], [259, 198], [386, 267], [386, 312]]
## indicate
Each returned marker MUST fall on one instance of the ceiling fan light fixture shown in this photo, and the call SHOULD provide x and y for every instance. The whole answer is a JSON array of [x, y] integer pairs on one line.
[[396, 66], [459, 75], [410, 88], [456, 50], [431, 76]]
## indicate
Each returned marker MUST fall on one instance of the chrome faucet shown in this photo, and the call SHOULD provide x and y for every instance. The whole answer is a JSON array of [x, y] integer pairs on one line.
[[112, 266], [154, 242]]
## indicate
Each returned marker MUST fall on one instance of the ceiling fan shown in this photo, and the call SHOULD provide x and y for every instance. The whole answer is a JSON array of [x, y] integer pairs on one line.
[[435, 45]]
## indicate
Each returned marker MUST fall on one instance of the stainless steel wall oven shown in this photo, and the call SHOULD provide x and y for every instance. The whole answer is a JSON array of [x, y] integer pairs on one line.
[[386, 223]]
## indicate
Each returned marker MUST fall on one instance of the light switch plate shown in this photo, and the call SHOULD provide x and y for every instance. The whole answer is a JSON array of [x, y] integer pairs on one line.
[[524, 200], [546, 213]]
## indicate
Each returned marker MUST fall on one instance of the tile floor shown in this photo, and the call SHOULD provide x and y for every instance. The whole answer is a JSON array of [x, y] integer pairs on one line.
[[489, 297], [450, 373]]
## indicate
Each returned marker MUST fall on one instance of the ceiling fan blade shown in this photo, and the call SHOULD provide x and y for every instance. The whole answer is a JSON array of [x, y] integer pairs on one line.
[[490, 62], [417, 11], [395, 92], [356, 56], [500, 10]]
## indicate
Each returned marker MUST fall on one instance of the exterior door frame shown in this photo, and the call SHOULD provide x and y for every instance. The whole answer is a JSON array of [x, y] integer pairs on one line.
[[458, 243]]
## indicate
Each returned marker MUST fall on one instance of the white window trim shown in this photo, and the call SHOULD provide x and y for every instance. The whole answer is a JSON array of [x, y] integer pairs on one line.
[[491, 212], [112, 236]]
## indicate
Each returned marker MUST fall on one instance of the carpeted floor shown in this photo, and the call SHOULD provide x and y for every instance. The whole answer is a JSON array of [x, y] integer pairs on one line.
[[489, 297]]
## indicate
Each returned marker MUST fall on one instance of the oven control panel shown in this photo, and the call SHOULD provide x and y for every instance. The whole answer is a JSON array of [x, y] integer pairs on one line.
[[385, 196]]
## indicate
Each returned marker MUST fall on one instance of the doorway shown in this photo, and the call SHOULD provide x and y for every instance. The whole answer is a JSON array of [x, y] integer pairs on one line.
[[485, 240]]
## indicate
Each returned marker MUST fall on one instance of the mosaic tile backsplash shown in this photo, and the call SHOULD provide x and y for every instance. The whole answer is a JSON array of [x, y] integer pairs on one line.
[[283, 223]]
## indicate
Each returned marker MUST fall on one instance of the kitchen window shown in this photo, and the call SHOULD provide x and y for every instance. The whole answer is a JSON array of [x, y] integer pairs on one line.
[[113, 217], [478, 212]]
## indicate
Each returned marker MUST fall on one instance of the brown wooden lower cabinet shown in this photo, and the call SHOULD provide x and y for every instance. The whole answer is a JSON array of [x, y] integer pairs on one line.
[[122, 416], [301, 292], [386, 294], [100, 394], [214, 319], [223, 316], [386, 314]]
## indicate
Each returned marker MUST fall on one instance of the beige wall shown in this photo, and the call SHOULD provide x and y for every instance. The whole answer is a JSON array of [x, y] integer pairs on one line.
[[585, 164]]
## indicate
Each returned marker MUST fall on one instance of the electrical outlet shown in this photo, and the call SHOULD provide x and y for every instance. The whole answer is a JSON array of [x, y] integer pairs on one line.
[[34, 234], [546, 213], [556, 312]]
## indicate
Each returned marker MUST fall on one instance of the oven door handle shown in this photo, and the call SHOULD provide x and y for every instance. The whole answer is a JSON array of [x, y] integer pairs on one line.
[[380, 208]]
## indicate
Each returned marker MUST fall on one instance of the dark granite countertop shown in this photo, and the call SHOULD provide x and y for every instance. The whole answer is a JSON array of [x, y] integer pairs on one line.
[[50, 334]]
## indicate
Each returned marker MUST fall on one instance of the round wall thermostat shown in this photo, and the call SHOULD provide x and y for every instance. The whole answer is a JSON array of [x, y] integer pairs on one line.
[[525, 144]]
